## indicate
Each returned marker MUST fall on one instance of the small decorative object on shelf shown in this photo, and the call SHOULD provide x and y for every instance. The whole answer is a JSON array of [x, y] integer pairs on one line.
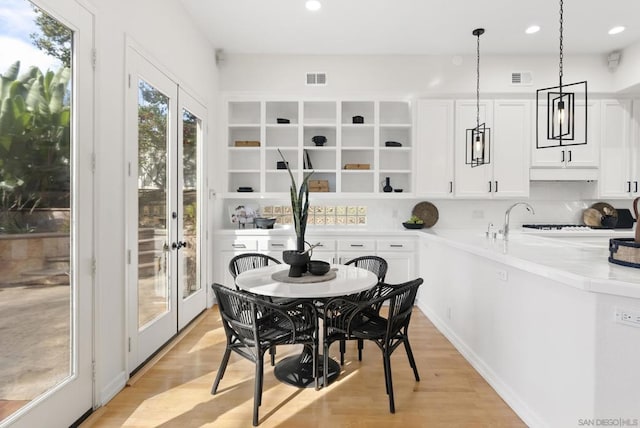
[[264, 222], [245, 189], [319, 140], [387, 187], [247, 143], [282, 120], [397, 190], [306, 160], [282, 165], [357, 166], [357, 119], [318, 185], [414, 222], [392, 144]]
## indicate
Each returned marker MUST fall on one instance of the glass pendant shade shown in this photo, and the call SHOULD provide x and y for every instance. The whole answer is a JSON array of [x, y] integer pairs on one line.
[[556, 106], [478, 146]]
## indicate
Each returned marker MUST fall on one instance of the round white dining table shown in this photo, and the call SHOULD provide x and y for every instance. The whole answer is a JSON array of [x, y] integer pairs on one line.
[[348, 280], [297, 370]]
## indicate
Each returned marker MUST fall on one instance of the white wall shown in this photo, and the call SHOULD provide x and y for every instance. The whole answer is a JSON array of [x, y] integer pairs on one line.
[[627, 75], [165, 32], [405, 75]]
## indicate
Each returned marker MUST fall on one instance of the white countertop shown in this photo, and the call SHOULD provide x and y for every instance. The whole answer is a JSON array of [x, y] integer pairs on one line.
[[578, 259]]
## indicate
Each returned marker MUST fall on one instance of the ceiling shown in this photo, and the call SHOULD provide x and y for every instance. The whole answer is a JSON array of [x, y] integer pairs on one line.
[[414, 27]]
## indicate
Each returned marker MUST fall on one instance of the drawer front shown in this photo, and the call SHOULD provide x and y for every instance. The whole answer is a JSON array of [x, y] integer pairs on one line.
[[238, 244], [324, 244], [396, 245], [278, 245], [357, 245]]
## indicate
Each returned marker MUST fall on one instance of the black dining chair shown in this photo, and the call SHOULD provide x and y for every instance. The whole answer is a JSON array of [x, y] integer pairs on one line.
[[345, 317], [253, 325], [379, 267], [249, 261]]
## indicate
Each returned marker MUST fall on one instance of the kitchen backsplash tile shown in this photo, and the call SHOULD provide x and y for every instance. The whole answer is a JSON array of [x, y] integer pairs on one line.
[[320, 214]]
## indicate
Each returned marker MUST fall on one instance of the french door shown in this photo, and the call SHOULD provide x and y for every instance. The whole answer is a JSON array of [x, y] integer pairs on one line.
[[164, 138], [46, 134]]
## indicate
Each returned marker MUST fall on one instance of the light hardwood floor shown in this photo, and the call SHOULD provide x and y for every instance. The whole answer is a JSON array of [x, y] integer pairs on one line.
[[175, 392]]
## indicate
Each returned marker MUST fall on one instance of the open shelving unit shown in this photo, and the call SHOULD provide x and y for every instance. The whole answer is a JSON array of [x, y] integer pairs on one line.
[[346, 143]]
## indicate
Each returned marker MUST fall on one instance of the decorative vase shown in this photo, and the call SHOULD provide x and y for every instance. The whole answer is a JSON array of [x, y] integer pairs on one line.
[[387, 187], [297, 262]]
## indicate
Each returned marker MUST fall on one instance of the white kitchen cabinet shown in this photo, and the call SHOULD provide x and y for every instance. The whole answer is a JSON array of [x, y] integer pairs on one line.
[[256, 130], [506, 175], [618, 151], [578, 162], [400, 256], [434, 148]]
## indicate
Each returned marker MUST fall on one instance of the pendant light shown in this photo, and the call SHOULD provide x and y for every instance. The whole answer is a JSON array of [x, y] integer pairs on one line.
[[558, 105], [478, 139]]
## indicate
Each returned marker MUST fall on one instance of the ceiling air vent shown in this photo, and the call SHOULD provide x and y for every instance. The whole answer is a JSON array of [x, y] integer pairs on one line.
[[521, 78], [316, 79]]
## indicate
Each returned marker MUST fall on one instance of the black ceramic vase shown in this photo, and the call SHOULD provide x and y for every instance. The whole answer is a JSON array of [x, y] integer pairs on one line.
[[297, 262], [387, 186]]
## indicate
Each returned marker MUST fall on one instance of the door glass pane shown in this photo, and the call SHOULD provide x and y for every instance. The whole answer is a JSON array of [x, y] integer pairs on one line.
[[191, 129], [153, 285], [36, 347]]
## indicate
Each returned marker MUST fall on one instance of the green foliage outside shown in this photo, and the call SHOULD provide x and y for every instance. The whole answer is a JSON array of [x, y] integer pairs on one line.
[[34, 142]]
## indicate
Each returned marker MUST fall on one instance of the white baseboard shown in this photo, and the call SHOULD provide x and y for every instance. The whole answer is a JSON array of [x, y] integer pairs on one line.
[[531, 418], [115, 386]]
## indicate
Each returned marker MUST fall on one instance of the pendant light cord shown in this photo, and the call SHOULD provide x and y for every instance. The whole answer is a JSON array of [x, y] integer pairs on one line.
[[478, 83], [561, 72]]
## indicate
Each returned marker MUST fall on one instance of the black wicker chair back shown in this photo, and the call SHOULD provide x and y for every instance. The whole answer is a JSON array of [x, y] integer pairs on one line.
[[253, 325], [374, 264], [248, 261], [344, 317]]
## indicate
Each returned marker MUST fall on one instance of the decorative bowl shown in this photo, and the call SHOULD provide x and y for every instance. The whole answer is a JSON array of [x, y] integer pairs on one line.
[[413, 225], [264, 222], [357, 119], [318, 267], [319, 140], [282, 120]]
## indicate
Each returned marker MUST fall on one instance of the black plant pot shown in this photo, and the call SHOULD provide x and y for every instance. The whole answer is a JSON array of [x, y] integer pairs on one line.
[[297, 262]]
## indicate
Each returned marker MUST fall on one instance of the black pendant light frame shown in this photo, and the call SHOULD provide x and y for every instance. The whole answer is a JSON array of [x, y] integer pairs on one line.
[[560, 105], [478, 139]]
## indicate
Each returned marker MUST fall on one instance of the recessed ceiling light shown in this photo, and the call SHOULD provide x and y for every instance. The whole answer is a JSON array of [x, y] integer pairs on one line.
[[313, 5], [532, 29], [616, 30]]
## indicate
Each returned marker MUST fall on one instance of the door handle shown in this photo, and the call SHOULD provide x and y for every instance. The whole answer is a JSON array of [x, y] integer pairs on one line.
[[178, 245], [489, 187], [570, 155], [396, 245], [563, 156], [356, 245], [277, 245], [239, 246], [496, 186], [635, 183], [451, 187], [628, 187]]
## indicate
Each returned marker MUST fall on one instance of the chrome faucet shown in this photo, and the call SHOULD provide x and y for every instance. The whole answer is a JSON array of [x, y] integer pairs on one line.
[[505, 229]]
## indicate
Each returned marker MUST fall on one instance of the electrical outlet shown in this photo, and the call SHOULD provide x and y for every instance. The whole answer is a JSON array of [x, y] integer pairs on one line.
[[503, 275], [624, 316]]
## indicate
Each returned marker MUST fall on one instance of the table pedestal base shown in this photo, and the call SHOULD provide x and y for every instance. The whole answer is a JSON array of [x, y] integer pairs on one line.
[[297, 370]]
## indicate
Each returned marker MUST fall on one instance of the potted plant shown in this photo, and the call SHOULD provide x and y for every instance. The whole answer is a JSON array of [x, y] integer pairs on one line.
[[299, 204]]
